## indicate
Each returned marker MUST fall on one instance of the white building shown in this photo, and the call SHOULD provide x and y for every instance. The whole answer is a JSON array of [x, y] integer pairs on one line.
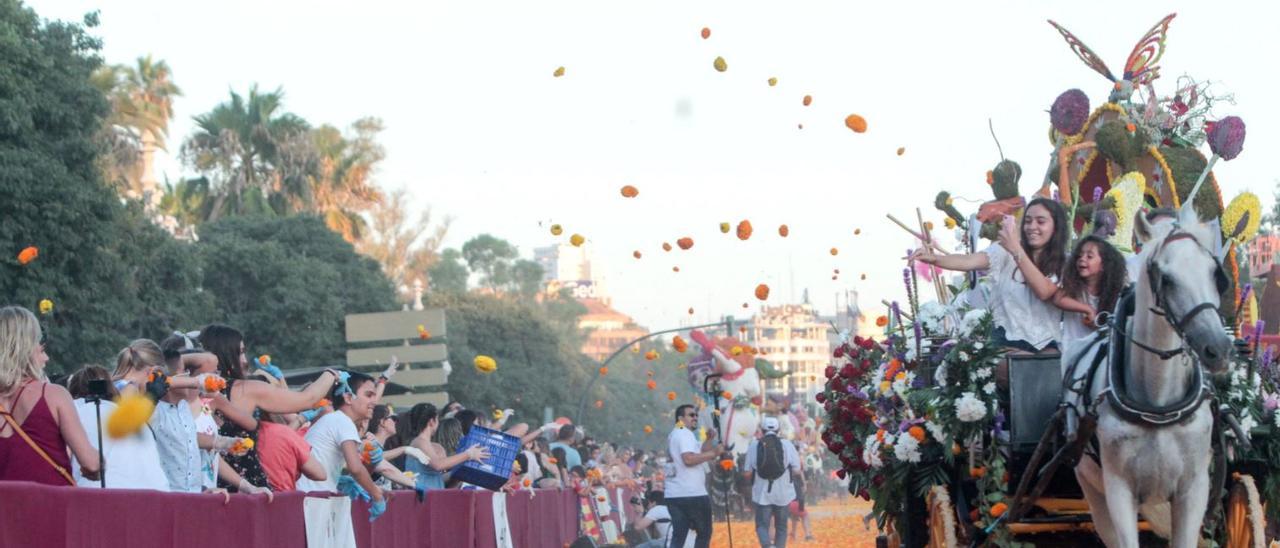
[[566, 266], [794, 339]]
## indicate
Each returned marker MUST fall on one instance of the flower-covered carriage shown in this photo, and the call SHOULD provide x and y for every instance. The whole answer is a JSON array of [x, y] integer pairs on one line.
[[956, 438]]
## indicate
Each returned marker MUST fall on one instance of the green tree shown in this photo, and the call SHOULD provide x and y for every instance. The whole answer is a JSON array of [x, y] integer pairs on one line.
[[141, 98], [526, 278], [406, 249], [288, 284], [241, 146], [342, 182], [536, 366], [491, 258], [448, 274], [110, 274]]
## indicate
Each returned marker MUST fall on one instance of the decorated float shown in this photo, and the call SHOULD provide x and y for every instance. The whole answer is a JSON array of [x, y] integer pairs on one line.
[[956, 441]]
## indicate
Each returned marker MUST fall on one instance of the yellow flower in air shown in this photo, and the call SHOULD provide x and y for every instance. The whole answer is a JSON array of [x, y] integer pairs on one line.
[[46, 306], [724, 228], [577, 240], [720, 64], [559, 72], [736, 351], [949, 223], [132, 413], [556, 230], [485, 364]]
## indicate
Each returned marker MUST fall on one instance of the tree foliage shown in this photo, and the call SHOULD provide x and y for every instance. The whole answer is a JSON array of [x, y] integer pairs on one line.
[[407, 249], [288, 284], [110, 274]]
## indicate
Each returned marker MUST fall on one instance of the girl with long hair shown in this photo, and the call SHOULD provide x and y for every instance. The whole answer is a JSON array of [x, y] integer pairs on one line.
[[1024, 266], [438, 440], [1095, 276], [227, 345], [38, 421]]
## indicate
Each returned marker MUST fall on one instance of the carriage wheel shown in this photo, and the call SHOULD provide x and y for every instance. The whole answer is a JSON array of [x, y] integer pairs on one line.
[[942, 519], [1245, 520]]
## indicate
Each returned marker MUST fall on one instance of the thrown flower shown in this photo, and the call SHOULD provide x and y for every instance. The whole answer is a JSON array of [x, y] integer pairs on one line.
[[28, 254], [46, 306]]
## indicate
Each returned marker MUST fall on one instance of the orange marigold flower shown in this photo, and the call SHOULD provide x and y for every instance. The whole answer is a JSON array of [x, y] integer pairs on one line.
[[783, 231], [599, 404], [629, 191], [527, 482], [998, 509], [880, 435], [604, 371], [679, 344], [671, 396], [653, 385], [762, 292], [636, 253], [834, 251], [685, 242], [808, 100], [324, 402], [726, 395], [556, 230], [214, 384], [916, 432], [726, 465], [856, 123], [881, 321], [651, 355], [648, 429], [666, 246], [706, 33], [744, 230], [690, 310], [28, 254]]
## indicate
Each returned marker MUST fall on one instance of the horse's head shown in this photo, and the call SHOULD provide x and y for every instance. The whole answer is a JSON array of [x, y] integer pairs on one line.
[[1185, 282]]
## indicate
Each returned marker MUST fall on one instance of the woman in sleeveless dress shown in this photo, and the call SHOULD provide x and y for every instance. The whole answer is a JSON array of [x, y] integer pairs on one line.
[[30, 405]]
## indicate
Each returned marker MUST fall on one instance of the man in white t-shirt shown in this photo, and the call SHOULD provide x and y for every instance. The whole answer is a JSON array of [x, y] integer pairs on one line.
[[686, 489], [766, 456], [335, 444]]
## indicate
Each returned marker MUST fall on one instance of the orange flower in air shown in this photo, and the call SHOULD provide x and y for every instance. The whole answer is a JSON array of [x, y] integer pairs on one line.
[[28, 254], [666, 246], [671, 396], [726, 395], [917, 433], [762, 292], [726, 465], [744, 230], [783, 231], [527, 482], [679, 344], [652, 384], [675, 269], [808, 100], [648, 429], [599, 404], [651, 355], [834, 252], [604, 371], [690, 310], [998, 509], [856, 123], [629, 191], [706, 33], [636, 254], [881, 321], [685, 242]]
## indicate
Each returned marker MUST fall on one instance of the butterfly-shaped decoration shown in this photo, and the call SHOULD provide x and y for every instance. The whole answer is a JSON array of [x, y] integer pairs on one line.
[[1139, 69]]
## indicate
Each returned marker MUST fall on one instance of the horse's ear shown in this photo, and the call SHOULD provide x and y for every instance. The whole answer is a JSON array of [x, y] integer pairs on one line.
[[1188, 216], [1141, 227]]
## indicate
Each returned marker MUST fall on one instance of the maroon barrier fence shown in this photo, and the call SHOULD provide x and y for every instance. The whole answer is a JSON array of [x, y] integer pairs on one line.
[[40, 515]]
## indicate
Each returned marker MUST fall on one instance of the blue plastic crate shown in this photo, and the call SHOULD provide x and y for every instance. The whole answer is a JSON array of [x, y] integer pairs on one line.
[[493, 472]]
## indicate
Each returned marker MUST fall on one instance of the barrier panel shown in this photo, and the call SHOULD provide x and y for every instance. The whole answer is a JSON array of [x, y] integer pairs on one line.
[[45, 516]]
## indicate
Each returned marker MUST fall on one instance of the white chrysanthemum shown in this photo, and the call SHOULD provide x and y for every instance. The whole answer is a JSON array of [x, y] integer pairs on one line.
[[936, 431], [907, 449], [871, 452], [978, 345], [964, 356], [901, 386], [931, 315], [969, 408], [940, 375], [982, 372], [989, 388], [971, 319]]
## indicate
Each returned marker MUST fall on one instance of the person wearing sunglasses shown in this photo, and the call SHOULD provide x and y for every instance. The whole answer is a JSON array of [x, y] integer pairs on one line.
[[686, 489]]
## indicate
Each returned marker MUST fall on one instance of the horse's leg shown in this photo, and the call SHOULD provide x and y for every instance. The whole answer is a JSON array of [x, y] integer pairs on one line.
[[1089, 476], [1188, 509], [1122, 508]]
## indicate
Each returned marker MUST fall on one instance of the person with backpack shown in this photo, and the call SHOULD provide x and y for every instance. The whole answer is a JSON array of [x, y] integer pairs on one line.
[[771, 463]]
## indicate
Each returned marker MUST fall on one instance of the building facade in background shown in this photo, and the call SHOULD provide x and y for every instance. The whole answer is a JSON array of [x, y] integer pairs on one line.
[[794, 339], [566, 267], [1262, 253]]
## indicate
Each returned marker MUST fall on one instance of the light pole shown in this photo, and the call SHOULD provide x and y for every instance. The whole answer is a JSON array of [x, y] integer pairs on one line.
[[727, 323]]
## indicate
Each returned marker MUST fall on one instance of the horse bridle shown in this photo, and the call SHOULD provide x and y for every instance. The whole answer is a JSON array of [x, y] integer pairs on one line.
[[1162, 308]]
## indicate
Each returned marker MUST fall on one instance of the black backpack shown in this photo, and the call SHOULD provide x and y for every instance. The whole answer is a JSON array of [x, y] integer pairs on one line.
[[771, 461]]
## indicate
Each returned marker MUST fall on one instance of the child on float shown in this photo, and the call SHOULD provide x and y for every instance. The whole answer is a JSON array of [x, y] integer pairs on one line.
[[1096, 276], [1023, 267]]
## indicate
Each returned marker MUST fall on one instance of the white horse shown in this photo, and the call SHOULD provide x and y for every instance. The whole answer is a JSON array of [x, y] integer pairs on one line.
[[1154, 419]]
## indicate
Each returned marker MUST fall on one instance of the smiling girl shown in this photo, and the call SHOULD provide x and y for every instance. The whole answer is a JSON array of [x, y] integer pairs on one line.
[[1095, 278], [1022, 294]]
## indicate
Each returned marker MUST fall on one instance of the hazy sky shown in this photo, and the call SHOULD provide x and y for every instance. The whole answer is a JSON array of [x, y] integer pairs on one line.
[[479, 130]]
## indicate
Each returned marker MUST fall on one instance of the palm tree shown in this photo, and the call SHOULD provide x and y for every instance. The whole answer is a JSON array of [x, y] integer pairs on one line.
[[342, 186], [237, 145], [141, 98]]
